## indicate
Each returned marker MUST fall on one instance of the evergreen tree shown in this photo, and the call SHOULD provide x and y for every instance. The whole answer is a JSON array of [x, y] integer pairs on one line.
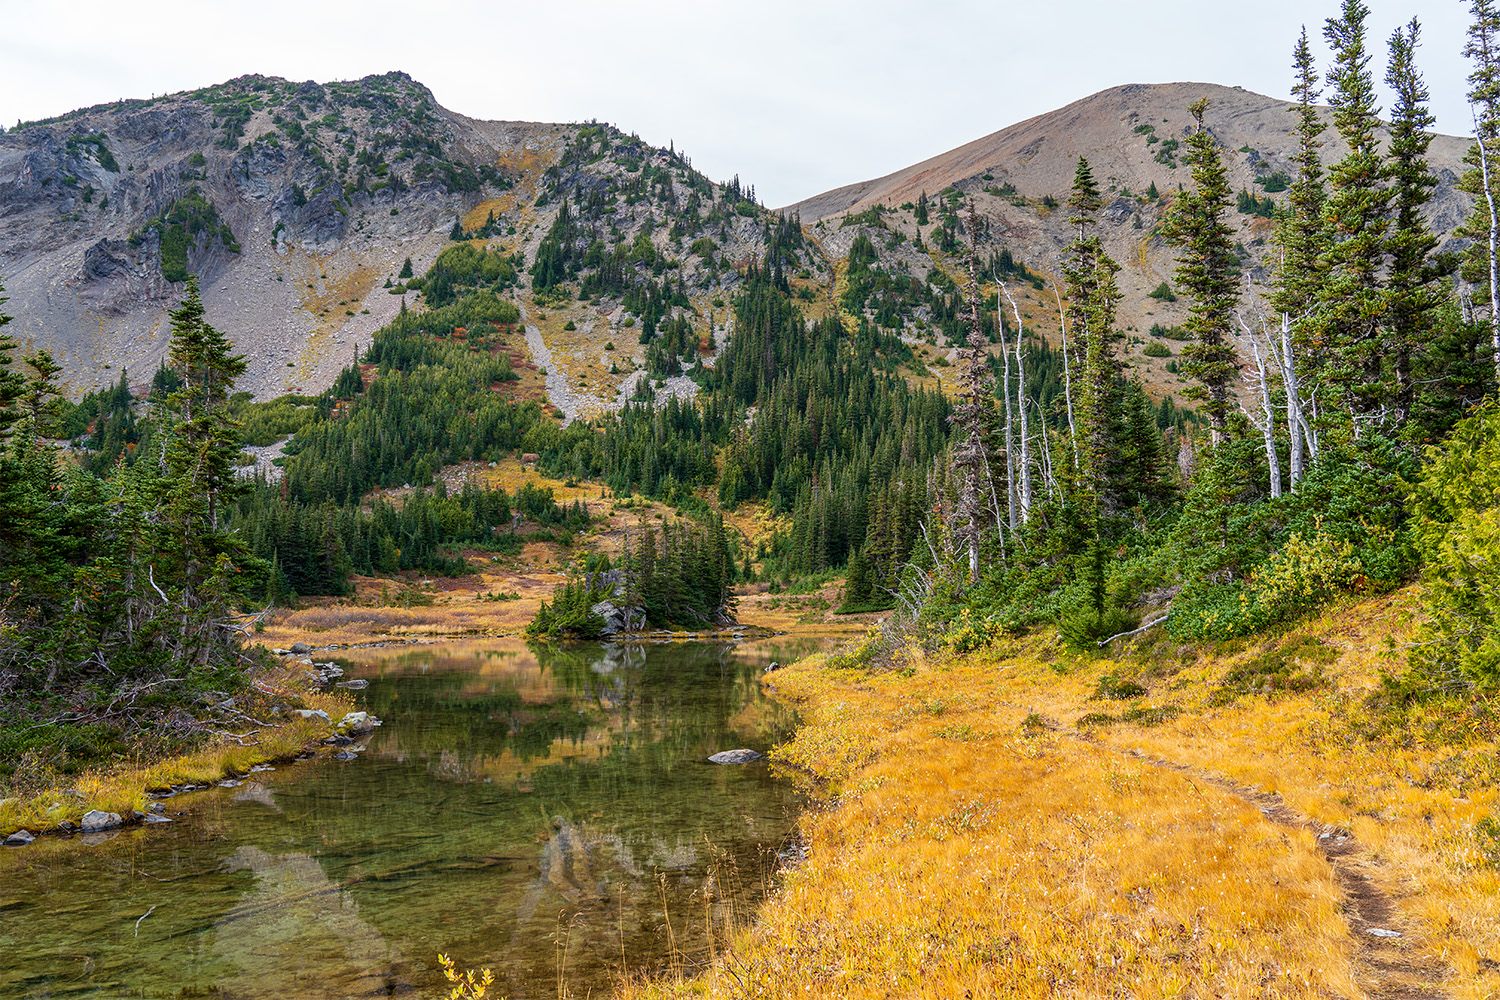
[[972, 418], [12, 383], [198, 470], [1413, 296], [1351, 304], [1298, 267], [1090, 274], [1208, 269], [1480, 265]]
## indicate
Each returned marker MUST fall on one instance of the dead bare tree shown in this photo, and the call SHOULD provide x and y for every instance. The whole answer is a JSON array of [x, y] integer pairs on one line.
[[1266, 422], [1062, 322], [1025, 480]]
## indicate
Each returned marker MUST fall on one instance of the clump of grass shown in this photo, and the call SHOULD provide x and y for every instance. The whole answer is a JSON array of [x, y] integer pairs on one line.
[[1118, 689], [1294, 665]]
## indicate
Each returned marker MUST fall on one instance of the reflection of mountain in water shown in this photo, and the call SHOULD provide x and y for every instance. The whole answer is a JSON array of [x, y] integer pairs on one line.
[[519, 809], [550, 703], [298, 934]]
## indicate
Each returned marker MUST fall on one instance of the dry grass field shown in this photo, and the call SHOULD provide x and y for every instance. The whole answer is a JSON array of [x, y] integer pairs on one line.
[[1022, 822]]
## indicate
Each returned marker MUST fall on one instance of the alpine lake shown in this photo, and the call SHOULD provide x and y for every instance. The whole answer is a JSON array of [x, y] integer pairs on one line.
[[544, 811]]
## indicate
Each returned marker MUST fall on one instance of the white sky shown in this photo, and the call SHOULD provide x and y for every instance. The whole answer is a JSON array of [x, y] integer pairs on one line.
[[796, 96]]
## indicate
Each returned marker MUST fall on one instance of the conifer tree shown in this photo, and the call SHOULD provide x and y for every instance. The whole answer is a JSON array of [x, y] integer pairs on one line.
[[971, 418], [1207, 270], [1413, 295], [1351, 302], [1090, 274], [12, 383], [198, 469], [1299, 240]]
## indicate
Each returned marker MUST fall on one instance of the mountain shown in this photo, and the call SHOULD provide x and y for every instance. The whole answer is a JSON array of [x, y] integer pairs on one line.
[[296, 205], [1132, 138]]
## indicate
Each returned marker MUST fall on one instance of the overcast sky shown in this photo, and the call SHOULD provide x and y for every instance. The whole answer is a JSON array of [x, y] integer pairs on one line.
[[796, 96]]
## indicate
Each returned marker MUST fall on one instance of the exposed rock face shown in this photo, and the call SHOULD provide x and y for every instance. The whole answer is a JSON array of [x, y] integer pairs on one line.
[[318, 193], [618, 619]]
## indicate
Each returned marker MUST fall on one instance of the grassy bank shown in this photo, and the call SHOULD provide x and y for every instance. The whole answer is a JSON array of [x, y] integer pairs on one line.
[[1025, 822], [122, 787]]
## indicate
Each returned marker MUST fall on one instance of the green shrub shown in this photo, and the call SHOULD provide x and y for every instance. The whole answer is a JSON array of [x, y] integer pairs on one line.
[[1456, 514], [1156, 349]]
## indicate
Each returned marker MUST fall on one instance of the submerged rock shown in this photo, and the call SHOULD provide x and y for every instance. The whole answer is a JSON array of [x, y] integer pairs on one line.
[[741, 756]]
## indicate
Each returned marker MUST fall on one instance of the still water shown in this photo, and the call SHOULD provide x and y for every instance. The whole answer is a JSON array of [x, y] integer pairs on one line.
[[545, 812]]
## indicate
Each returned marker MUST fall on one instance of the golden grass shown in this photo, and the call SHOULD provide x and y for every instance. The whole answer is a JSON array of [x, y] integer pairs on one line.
[[123, 788], [979, 841]]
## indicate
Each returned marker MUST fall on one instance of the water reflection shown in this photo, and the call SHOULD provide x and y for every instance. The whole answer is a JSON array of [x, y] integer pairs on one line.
[[543, 811]]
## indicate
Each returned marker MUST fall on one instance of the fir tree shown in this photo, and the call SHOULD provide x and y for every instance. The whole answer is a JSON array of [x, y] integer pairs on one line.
[[972, 418], [1351, 302], [1090, 274], [198, 469], [1298, 267], [1412, 292], [1208, 270]]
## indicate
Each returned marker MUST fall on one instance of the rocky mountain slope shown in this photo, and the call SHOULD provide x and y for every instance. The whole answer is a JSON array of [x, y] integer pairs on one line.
[[296, 205], [1132, 138]]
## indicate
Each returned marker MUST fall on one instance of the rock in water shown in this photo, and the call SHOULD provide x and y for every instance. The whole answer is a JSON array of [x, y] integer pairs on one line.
[[20, 838], [301, 647], [740, 756], [357, 724], [95, 820]]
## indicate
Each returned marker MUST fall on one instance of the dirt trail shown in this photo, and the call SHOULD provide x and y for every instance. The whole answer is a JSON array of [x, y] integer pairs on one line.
[[1388, 962]]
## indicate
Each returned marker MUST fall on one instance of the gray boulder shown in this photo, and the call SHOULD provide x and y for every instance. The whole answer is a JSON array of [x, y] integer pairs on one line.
[[95, 820], [357, 724], [20, 838], [741, 756], [301, 647], [314, 713]]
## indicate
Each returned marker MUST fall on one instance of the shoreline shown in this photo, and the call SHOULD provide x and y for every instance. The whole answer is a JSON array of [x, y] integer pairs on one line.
[[57, 813]]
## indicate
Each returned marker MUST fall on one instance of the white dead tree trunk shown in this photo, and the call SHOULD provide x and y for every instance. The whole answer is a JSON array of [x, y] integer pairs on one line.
[[1010, 438], [1049, 481], [1296, 426], [1489, 199], [1267, 420], [1062, 322], [1025, 483]]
